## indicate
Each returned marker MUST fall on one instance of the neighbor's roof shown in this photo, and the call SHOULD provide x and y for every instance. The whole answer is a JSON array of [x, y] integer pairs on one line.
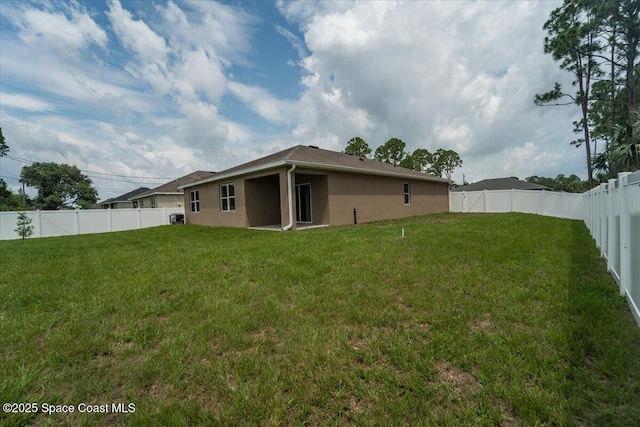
[[124, 197], [318, 158], [500, 184], [172, 186]]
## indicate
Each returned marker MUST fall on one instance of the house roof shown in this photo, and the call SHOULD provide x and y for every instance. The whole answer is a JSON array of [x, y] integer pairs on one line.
[[171, 187], [318, 158], [500, 184], [124, 197]]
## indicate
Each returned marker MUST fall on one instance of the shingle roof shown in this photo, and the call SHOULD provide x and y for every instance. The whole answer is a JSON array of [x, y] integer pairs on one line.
[[500, 184], [318, 158], [172, 186], [124, 197]]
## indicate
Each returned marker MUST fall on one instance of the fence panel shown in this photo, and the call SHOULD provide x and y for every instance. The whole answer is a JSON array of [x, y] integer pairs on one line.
[[562, 205], [70, 222], [498, 201], [613, 218]]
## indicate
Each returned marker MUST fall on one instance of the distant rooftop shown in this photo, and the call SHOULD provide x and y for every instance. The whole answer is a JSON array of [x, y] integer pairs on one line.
[[125, 197], [500, 184], [172, 186]]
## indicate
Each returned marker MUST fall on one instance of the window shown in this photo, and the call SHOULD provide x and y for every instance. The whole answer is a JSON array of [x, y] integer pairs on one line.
[[194, 198], [135, 204], [407, 194], [227, 198], [153, 202]]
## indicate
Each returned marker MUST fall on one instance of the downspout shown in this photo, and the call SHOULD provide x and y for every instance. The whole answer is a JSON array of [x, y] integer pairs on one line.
[[290, 197]]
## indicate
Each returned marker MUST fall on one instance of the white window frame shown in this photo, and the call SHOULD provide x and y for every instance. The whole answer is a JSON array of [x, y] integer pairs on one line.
[[406, 187], [228, 198], [194, 200]]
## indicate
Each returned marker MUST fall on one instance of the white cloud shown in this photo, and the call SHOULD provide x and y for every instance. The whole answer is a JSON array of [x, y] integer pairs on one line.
[[295, 41], [264, 103], [456, 75], [24, 102], [136, 36], [65, 31]]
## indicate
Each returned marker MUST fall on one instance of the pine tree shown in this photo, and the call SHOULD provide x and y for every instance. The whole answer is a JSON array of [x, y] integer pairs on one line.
[[24, 227]]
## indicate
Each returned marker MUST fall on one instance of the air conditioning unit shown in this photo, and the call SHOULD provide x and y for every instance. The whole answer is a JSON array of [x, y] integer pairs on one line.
[[176, 218]]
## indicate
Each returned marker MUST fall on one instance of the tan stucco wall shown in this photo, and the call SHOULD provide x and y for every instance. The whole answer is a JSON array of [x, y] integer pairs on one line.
[[262, 199], [319, 194], [378, 198], [210, 213], [334, 196]]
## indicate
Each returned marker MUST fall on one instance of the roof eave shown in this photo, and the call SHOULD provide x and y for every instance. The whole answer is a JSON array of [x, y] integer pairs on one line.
[[225, 176], [311, 165], [398, 174]]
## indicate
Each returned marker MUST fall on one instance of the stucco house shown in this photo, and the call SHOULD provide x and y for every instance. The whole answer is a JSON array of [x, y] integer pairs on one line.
[[120, 202], [305, 186], [167, 195]]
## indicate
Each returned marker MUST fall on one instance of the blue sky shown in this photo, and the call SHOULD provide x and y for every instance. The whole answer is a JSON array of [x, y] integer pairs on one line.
[[134, 90]]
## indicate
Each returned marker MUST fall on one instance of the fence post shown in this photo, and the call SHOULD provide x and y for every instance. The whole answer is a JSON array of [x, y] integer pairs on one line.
[[610, 222], [486, 201], [109, 220], [138, 218], [76, 222], [39, 223], [513, 200], [625, 236], [464, 202], [165, 218]]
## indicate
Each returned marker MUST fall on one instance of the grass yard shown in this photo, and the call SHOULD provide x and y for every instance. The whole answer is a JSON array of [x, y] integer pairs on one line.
[[506, 319]]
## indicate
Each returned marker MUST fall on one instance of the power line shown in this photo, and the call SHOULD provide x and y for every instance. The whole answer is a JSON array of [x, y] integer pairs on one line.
[[136, 179]]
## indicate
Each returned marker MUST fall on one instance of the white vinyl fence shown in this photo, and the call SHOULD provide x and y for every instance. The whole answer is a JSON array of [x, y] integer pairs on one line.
[[85, 221], [548, 203], [611, 212]]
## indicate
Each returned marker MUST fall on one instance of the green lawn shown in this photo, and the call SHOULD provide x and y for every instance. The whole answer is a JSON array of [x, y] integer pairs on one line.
[[504, 319]]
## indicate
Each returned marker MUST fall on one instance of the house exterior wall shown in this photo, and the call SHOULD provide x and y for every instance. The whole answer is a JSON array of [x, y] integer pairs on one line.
[[117, 205], [334, 195], [377, 198], [319, 193], [162, 201], [262, 200], [169, 200], [210, 210]]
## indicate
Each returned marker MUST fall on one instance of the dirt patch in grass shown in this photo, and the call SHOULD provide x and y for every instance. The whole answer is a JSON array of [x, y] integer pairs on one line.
[[509, 418], [481, 324], [453, 376], [401, 304]]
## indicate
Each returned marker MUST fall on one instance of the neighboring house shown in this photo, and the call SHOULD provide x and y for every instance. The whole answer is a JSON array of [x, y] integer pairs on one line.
[[308, 186], [122, 201], [168, 195], [500, 184]]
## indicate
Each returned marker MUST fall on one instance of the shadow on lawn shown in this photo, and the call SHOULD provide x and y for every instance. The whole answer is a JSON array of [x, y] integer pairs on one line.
[[602, 385]]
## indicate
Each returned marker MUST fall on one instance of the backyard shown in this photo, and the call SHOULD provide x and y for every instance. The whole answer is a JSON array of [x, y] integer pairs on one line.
[[470, 319]]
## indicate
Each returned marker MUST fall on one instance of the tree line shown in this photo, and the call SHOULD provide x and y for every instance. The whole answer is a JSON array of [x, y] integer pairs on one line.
[[440, 162], [597, 42], [570, 184], [60, 186]]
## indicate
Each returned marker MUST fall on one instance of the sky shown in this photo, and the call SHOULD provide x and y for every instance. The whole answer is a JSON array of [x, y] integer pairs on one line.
[[136, 93]]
